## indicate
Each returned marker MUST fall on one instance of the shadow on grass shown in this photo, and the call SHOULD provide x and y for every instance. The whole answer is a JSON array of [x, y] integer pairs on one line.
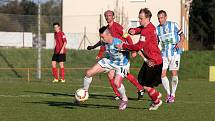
[[50, 93], [94, 96], [73, 105], [10, 65]]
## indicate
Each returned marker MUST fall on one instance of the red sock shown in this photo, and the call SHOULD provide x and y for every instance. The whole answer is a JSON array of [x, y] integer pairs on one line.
[[153, 94], [134, 81], [54, 73], [114, 87], [62, 73]]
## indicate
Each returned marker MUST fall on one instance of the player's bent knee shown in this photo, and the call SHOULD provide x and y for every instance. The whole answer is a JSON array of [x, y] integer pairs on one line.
[[118, 84], [61, 66], [88, 73], [174, 73], [53, 64], [110, 76], [163, 75]]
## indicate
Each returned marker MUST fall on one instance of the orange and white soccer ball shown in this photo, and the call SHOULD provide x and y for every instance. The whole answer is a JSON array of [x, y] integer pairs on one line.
[[81, 95]]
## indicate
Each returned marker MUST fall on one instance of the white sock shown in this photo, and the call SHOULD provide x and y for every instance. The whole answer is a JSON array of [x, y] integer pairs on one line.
[[174, 85], [87, 82], [122, 92], [165, 83]]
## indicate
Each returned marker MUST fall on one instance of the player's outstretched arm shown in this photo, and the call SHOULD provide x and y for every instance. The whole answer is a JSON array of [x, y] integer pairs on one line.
[[99, 43], [134, 31]]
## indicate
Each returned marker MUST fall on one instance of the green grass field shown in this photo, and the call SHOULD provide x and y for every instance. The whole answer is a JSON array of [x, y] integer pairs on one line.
[[41, 100]]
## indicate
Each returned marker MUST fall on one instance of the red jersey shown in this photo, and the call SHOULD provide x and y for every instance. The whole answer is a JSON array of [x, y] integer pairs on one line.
[[60, 39], [116, 31], [147, 43]]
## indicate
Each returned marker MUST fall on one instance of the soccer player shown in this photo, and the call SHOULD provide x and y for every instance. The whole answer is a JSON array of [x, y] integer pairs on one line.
[[117, 31], [150, 73], [171, 39], [59, 55], [114, 60]]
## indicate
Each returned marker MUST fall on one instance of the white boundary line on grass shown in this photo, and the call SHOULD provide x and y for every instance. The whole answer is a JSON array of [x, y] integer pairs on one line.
[[64, 97]]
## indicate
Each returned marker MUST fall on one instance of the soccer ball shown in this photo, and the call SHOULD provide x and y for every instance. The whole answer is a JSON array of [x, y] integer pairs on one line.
[[81, 95]]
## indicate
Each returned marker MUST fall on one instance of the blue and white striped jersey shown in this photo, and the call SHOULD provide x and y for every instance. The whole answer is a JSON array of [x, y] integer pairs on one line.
[[168, 35], [116, 56]]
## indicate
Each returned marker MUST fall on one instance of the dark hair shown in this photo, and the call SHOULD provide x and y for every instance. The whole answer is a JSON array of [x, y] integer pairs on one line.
[[162, 11], [102, 29], [56, 23], [109, 11], [147, 12]]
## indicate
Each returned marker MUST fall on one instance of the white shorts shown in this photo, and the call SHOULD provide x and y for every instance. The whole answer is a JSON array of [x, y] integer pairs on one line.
[[172, 62], [120, 70]]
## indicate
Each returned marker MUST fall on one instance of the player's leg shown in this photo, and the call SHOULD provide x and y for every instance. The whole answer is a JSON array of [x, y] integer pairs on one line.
[[62, 59], [141, 81], [121, 71], [111, 74], [88, 77], [120, 87], [165, 80], [151, 78], [91, 72], [134, 81], [62, 72], [54, 68], [155, 96], [174, 67]]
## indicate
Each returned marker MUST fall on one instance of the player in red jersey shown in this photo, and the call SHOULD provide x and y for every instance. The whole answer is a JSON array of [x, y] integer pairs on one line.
[[117, 32], [59, 55], [150, 72]]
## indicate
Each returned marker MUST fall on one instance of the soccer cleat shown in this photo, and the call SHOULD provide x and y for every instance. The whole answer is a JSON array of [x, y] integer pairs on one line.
[[155, 106], [62, 80], [171, 99], [167, 98], [55, 81], [140, 94], [123, 105], [116, 98]]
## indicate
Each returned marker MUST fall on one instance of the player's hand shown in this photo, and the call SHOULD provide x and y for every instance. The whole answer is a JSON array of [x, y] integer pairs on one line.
[[90, 47], [98, 58], [131, 31], [133, 54], [178, 45], [150, 63], [61, 52], [119, 46]]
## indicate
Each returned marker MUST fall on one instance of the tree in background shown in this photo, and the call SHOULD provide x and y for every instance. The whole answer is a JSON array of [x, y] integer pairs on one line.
[[52, 12], [4, 26], [24, 13], [202, 25]]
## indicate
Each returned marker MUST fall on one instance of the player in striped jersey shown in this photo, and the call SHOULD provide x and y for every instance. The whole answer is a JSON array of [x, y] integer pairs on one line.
[[171, 39], [117, 31], [114, 60]]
